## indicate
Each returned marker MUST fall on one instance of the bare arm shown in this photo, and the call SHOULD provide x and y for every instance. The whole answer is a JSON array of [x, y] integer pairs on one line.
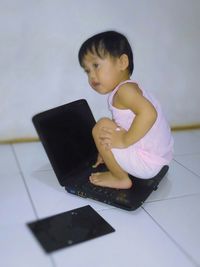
[[129, 96]]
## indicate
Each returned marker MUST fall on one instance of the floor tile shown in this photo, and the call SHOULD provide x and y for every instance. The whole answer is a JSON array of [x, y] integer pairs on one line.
[[197, 132], [138, 241], [180, 219], [49, 197], [32, 156], [192, 162], [186, 142], [15, 205], [8, 162], [19, 248], [165, 232], [178, 182]]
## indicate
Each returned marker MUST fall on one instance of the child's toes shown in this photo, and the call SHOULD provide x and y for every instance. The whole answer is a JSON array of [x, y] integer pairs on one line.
[[93, 177]]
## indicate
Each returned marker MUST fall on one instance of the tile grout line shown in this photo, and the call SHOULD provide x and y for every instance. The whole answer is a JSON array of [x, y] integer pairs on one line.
[[52, 260], [172, 239], [25, 184], [172, 198], [29, 195], [186, 168], [187, 154]]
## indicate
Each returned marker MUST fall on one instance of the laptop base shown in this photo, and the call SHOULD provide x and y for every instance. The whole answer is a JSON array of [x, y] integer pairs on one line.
[[128, 199]]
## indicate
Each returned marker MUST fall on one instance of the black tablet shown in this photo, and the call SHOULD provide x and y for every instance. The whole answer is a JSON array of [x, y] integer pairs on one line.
[[69, 228]]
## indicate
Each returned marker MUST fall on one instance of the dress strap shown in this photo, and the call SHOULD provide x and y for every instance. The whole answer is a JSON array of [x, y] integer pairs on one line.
[[115, 90], [120, 84]]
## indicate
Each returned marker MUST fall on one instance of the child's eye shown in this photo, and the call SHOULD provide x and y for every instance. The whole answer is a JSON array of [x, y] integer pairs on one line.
[[86, 71], [95, 65]]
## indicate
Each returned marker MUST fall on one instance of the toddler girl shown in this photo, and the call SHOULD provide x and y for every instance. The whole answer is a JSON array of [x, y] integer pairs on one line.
[[138, 140]]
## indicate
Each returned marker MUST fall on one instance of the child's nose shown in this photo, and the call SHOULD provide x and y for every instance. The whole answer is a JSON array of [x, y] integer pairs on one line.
[[92, 76]]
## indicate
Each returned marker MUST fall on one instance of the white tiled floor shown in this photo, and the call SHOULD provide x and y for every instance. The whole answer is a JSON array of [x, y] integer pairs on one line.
[[164, 232]]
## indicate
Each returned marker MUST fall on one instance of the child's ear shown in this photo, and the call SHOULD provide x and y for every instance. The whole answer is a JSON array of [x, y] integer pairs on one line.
[[124, 62]]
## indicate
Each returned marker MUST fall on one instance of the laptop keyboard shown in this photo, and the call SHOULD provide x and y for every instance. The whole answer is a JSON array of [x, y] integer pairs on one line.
[[97, 190]]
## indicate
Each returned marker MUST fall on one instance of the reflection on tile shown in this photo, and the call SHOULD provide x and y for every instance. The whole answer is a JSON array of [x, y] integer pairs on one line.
[[178, 182], [138, 241], [180, 218]]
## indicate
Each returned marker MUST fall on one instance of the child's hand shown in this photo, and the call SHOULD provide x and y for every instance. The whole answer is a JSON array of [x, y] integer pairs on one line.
[[112, 138]]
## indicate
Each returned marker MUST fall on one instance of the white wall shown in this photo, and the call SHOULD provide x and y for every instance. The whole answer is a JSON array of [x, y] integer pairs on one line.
[[39, 42]]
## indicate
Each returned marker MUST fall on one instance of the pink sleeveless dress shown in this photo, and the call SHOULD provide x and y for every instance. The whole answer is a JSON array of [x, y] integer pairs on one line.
[[145, 158]]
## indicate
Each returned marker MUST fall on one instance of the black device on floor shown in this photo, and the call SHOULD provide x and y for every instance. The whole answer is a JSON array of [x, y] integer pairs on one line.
[[69, 228], [66, 134]]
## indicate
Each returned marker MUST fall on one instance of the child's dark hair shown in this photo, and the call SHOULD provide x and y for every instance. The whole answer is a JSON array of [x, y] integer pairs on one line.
[[109, 42]]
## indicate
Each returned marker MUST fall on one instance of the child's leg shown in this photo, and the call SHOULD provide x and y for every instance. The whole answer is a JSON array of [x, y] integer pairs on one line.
[[116, 177]]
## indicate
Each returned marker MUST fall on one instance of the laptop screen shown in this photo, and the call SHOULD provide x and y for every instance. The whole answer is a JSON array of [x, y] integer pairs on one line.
[[66, 134]]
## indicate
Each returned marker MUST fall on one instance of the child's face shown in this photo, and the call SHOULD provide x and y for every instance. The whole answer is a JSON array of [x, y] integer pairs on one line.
[[104, 74]]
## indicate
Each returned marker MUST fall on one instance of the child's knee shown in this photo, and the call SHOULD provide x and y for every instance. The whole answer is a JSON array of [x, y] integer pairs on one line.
[[103, 122], [106, 122]]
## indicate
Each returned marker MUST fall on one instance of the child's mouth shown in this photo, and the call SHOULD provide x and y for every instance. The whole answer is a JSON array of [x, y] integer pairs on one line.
[[95, 84]]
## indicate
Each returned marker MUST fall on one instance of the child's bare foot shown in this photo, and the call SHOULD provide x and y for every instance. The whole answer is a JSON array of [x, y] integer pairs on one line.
[[106, 179]]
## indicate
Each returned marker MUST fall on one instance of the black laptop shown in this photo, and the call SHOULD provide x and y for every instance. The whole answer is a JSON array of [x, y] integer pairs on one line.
[[66, 134]]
